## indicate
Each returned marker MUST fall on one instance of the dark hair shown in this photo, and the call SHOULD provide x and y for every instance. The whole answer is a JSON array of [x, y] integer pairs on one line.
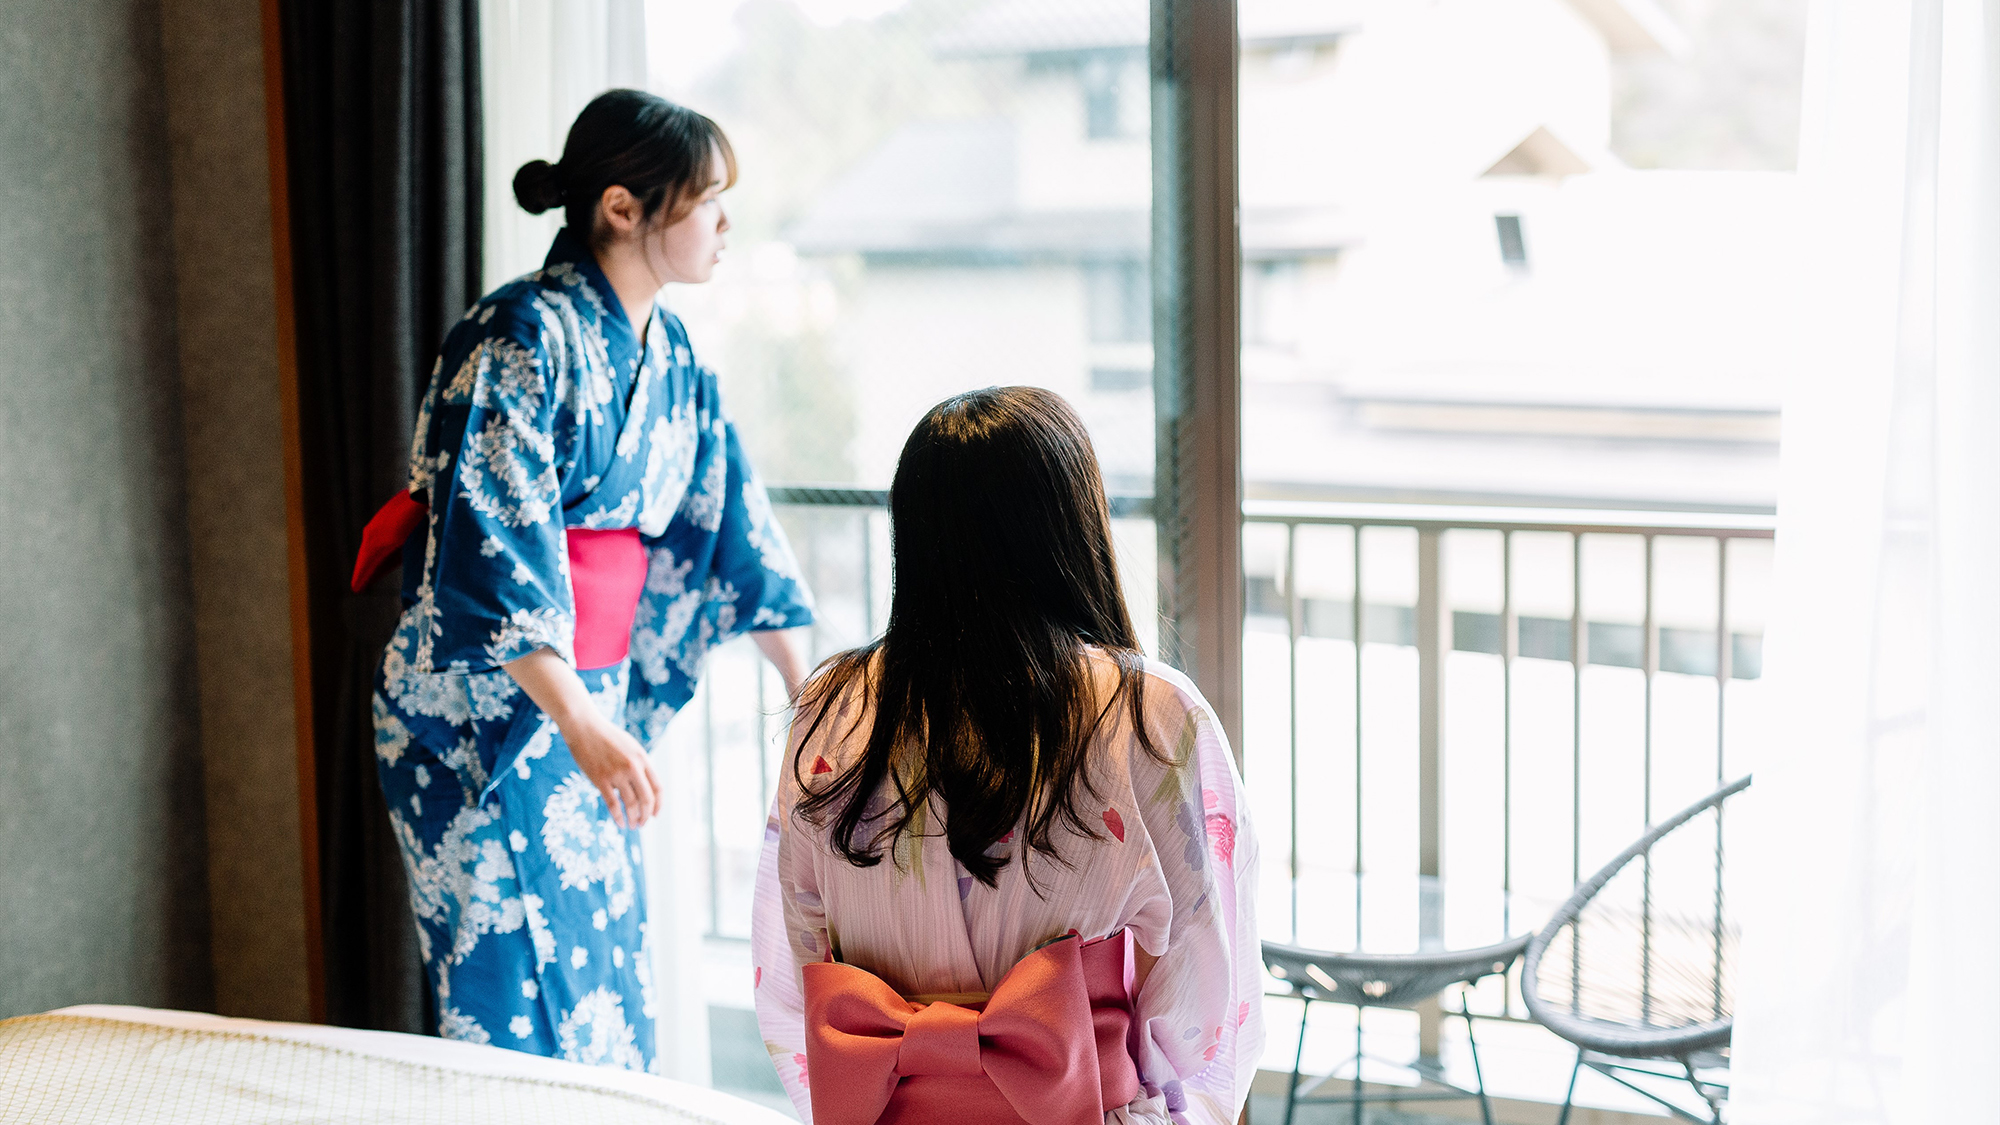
[[1004, 571], [660, 152]]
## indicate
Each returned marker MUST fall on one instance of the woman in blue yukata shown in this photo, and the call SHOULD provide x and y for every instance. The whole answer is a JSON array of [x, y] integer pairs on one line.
[[582, 527]]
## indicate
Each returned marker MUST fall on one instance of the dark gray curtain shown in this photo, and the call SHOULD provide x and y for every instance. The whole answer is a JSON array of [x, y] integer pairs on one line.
[[383, 145]]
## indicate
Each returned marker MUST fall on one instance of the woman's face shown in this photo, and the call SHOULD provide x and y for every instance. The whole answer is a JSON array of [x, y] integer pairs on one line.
[[688, 249]]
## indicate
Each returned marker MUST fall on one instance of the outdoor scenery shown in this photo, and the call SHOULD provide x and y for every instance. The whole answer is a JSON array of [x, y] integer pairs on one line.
[[1502, 259]]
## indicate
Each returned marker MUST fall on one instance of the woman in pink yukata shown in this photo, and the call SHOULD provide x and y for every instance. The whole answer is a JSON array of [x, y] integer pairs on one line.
[[1009, 875]]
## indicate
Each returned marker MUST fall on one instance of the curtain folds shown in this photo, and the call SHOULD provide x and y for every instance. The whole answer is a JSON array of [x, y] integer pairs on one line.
[[1873, 898], [544, 60], [382, 118]]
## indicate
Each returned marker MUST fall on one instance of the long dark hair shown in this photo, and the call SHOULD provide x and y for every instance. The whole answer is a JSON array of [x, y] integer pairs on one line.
[[982, 692], [660, 152]]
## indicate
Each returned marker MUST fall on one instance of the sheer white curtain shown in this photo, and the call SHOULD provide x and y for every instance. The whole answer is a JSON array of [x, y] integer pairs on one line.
[[541, 62], [1868, 991]]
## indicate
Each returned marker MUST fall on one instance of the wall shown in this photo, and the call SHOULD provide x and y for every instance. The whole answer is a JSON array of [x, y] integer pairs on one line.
[[149, 831], [103, 893], [236, 502]]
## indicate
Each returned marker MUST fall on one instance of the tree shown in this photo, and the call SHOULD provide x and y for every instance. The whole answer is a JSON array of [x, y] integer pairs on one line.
[[1730, 102]]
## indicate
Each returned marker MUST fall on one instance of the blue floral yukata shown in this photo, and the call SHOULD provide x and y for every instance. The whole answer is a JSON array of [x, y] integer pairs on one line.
[[546, 413]]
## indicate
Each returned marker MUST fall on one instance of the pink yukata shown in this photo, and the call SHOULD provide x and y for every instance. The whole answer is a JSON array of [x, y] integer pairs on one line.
[[1175, 864]]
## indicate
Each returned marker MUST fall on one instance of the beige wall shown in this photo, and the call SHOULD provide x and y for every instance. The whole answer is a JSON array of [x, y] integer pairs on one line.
[[103, 888], [148, 801], [236, 501]]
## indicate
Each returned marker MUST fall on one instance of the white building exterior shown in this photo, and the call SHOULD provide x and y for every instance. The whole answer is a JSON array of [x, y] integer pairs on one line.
[[1452, 289]]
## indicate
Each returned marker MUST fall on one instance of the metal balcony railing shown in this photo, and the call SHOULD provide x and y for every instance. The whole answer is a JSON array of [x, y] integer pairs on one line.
[[1321, 575]]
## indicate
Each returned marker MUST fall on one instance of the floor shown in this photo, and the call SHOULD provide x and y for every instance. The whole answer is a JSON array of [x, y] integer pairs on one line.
[[1271, 1111]]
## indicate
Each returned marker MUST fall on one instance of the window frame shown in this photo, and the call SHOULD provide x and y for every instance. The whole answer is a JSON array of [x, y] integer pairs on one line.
[[1197, 345]]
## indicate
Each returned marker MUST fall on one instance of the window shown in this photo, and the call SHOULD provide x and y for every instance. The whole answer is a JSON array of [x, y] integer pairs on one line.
[[1272, 309], [1120, 302], [1114, 94], [952, 194], [933, 198], [1495, 705], [1513, 251]]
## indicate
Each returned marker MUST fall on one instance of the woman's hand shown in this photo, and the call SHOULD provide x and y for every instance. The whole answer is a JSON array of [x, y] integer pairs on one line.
[[620, 768], [611, 758]]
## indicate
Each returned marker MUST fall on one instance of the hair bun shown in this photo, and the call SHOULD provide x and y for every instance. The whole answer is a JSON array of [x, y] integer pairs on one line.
[[538, 186]]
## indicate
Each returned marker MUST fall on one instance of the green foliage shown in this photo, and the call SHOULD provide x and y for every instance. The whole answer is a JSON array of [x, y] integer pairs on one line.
[[800, 399], [804, 103], [1730, 102]]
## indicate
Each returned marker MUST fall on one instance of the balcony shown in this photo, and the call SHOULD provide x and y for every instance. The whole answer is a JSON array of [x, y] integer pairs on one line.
[[1534, 687]]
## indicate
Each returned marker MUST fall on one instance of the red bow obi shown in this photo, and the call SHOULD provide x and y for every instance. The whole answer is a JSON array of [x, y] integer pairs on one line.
[[1048, 1046], [607, 572]]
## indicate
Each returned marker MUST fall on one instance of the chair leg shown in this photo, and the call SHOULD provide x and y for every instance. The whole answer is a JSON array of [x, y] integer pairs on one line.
[[1700, 1091], [1569, 1099], [1478, 1075], [1298, 1058], [1359, 1058]]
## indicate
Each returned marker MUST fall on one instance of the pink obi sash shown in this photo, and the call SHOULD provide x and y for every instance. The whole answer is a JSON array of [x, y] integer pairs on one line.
[[1049, 1046], [607, 571]]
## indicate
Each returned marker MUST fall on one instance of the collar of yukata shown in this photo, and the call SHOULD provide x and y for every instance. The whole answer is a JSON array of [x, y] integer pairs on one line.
[[621, 344]]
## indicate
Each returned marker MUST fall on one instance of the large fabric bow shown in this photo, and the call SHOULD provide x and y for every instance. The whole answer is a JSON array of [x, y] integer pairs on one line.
[[1048, 1047]]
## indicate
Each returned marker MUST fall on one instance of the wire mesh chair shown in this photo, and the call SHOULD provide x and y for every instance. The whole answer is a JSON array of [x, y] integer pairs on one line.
[[1385, 981], [1635, 969]]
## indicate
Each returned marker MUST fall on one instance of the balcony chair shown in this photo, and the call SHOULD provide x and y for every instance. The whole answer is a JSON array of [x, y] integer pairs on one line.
[[1635, 969], [1396, 976]]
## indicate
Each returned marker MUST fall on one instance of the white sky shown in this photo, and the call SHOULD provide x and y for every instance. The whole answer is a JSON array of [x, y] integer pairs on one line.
[[685, 39]]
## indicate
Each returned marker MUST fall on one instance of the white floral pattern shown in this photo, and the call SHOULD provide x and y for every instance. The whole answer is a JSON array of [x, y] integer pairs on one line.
[[584, 843], [595, 1032], [454, 1024], [462, 878], [526, 630], [391, 736]]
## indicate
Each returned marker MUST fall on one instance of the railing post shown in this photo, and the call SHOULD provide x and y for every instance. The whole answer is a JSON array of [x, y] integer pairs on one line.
[[707, 692], [1723, 671], [1510, 647], [1294, 628], [1650, 667], [1579, 655], [1433, 644]]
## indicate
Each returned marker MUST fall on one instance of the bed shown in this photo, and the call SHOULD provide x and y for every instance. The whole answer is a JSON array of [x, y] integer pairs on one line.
[[109, 1064]]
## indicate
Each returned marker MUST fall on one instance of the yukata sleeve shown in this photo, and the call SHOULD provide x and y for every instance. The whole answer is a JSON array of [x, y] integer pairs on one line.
[[496, 582], [788, 931], [1199, 1013], [721, 568]]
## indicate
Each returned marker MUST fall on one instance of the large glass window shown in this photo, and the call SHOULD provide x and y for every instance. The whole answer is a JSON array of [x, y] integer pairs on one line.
[[935, 196], [1515, 289], [1514, 279]]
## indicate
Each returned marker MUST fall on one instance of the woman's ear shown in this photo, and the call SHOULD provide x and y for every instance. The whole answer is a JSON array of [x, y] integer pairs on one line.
[[619, 213]]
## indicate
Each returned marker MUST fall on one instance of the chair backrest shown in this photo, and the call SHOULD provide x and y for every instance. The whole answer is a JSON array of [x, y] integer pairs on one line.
[[1639, 962]]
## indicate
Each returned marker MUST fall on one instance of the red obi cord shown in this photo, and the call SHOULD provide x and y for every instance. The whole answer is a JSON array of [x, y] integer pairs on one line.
[[607, 569], [384, 537]]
